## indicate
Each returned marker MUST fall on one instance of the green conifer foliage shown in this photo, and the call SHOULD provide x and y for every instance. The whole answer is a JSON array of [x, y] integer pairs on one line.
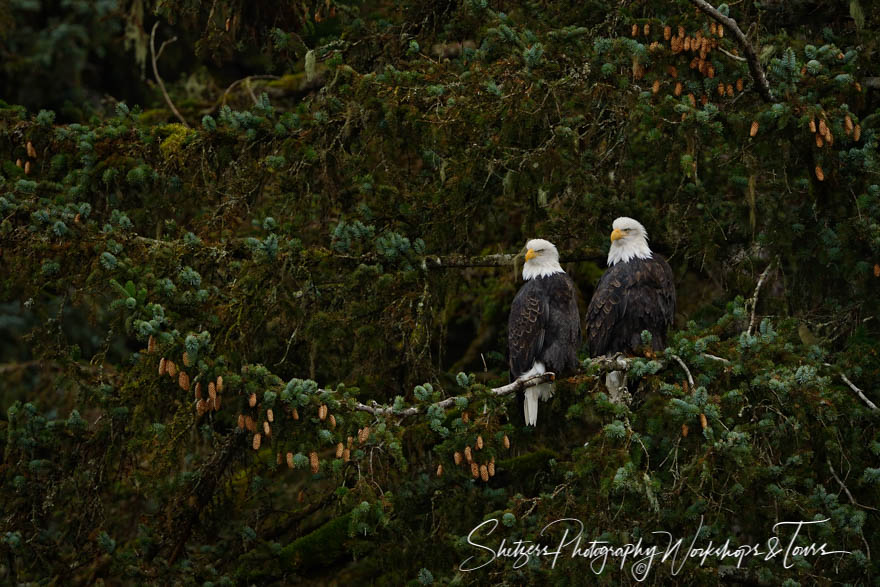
[[263, 344]]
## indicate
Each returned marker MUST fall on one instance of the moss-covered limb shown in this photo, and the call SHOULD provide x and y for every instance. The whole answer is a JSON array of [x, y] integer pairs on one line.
[[320, 548], [503, 260], [318, 552]]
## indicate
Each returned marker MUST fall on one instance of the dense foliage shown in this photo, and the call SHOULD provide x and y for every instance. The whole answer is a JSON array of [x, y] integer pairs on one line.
[[198, 308]]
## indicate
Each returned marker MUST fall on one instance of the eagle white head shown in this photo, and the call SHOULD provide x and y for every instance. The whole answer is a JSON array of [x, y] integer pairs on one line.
[[542, 259], [629, 240]]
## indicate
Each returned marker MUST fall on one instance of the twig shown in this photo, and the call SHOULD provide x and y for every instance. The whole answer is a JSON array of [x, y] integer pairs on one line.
[[852, 500], [290, 340], [858, 392], [155, 58], [686, 370], [731, 55], [761, 83], [248, 79], [754, 300], [247, 86], [715, 358]]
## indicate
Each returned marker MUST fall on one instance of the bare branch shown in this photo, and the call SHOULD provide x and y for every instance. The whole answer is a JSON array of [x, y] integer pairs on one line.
[[845, 488], [155, 59], [715, 358], [754, 300], [858, 391], [761, 83], [731, 55], [686, 370]]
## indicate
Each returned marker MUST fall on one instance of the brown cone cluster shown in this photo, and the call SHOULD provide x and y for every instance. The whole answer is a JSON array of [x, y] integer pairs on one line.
[[699, 45]]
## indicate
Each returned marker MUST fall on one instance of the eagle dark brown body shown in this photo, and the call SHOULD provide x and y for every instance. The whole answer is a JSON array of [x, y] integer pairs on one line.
[[544, 326], [631, 296]]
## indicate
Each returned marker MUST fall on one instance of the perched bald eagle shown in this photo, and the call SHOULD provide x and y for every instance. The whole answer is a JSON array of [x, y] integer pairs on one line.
[[544, 331], [636, 293]]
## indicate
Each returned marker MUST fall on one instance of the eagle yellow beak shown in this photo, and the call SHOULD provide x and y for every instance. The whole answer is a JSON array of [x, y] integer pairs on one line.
[[616, 234], [531, 254]]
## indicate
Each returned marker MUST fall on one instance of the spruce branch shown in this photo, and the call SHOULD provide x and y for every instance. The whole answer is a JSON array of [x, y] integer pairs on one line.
[[505, 259], [617, 362], [452, 261], [761, 83], [522, 383]]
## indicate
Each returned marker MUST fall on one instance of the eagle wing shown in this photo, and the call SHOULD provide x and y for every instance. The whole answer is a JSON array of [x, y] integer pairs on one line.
[[651, 301], [629, 298], [605, 309], [526, 327]]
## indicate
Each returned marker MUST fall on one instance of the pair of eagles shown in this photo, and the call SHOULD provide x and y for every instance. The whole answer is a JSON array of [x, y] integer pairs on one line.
[[636, 293]]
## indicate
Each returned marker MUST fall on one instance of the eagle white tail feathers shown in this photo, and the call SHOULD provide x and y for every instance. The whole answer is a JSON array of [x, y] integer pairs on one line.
[[543, 391], [615, 383]]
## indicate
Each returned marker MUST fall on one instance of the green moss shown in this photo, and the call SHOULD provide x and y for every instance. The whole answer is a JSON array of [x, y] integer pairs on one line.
[[320, 548], [177, 137]]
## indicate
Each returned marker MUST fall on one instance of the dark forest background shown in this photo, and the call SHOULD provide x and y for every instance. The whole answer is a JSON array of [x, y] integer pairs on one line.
[[303, 210]]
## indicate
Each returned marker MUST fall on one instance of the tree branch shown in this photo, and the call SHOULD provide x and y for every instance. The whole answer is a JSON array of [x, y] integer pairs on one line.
[[844, 487], [715, 358], [505, 259], [761, 83], [155, 59], [858, 391], [731, 55], [686, 370], [754, 300], [378, 410], [616, 362], [453, 261]]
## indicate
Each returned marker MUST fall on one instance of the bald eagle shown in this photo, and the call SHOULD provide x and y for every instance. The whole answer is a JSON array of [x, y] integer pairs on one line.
[[636, 293], [544, 331]]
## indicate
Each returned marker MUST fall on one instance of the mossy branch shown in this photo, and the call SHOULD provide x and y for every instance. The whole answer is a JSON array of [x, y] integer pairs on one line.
[[452, 261], [505, 259]]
